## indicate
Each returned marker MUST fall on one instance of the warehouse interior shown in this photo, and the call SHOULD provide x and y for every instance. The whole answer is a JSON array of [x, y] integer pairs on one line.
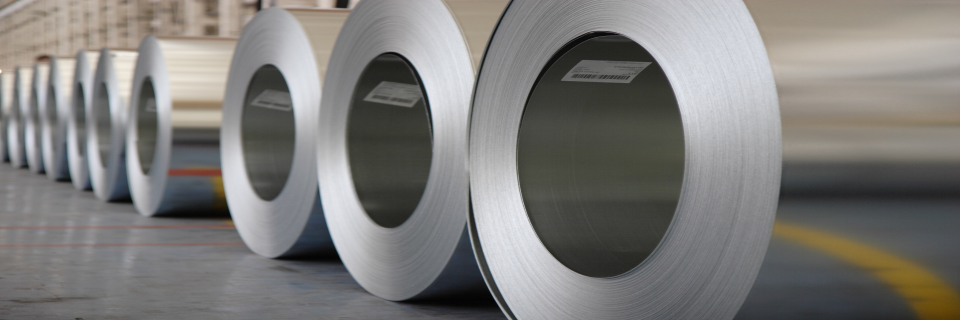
[[866, 222]]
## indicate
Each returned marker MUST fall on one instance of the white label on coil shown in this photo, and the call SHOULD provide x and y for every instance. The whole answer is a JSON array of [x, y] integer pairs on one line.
[[605, 71], [393, 93], [273, 99], [150, 105]]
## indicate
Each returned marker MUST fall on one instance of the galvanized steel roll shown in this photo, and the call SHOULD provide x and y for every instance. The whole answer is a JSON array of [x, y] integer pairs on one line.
[[107, 124], [32, 117], [81, 97], [15, 127], [6, 98], [173, 136], [625, 159], [268, 131], [391, 152], [54, 117]]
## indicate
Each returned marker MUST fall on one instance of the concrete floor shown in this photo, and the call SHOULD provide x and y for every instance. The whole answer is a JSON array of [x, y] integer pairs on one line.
[[65, 255]]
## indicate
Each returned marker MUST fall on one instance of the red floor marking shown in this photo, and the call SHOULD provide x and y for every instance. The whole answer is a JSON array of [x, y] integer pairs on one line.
[[194, 172], [185, 226], [35, 245]]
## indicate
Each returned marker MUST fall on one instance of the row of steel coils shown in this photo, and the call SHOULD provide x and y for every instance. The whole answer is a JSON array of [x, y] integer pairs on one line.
[[581, 159]]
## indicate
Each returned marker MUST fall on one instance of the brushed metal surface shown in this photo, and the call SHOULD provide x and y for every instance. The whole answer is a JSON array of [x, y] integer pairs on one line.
[[55, 115], [297, 43], [106, 124], [81, 97], [714, 59], [394, 181], [173, 136]]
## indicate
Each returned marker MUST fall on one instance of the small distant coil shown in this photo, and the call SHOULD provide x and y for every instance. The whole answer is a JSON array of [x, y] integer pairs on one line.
[[107, 124], [33, 123], [76, 116], [392, 153], [6, 98], [54, 117], [19, 103]]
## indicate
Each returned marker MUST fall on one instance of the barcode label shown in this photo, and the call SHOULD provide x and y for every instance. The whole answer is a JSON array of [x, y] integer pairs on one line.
[[150, 105], [396, 94], [273, 99], [605, 71]]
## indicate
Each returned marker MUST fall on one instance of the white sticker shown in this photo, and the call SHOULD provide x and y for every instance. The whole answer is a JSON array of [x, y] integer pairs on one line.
[[393, 93], [150, 105], [605, 71], [273, 99]]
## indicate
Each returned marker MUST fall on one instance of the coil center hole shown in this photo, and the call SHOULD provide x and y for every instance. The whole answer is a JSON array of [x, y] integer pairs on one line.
[[389, 140], [80, 119], [268, 132], [146, 125], [101, 108], [600, 155]]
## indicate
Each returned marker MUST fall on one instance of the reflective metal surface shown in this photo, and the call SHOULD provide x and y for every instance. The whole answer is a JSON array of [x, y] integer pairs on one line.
[[56, 117], [107, 124], [389, 146], [81, 97], [18, 106], [271, 152], [720, 169], [33, 117], [6, 100], [601, 164], [392, 151], [173, 135]]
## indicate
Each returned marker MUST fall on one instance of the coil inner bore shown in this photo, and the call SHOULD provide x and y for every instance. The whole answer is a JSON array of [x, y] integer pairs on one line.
[[389, 140], [36, 118], [268, 132], [79, 106], [600, 156], [147, 125], [51, 112], [101, 110]]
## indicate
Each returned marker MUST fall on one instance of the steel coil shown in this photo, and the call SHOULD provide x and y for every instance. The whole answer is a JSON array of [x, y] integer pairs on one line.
[[32, 120], [267, 136], [391, 152], [54, 117], [18, 103], [81, 97], [625, 159], [106, 124], [6, 100], [173, 136]]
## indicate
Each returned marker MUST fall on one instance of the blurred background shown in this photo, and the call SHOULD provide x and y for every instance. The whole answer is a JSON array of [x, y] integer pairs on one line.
[[870, 199]]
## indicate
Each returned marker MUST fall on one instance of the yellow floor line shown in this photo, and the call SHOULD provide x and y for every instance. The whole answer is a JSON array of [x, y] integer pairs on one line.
[[929, 296]]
